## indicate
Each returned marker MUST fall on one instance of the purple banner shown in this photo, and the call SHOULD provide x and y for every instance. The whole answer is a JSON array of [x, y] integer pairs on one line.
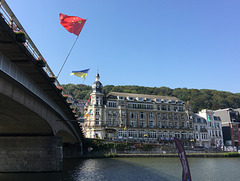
[[186, 176]]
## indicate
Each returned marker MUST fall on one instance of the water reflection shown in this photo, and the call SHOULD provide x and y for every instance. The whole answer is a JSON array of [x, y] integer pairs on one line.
[[119, 169], [135, 169]]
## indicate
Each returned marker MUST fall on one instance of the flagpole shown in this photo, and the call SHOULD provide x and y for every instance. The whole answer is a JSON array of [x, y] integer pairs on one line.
[[67, 56]]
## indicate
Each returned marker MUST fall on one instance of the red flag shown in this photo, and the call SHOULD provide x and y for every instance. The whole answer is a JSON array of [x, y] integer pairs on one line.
[[73, 24]]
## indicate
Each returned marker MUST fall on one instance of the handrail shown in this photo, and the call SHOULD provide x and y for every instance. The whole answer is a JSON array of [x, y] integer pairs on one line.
[[9, 17]]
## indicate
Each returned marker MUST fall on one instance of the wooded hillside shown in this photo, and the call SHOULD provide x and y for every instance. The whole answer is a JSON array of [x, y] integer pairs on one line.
[[199, 99]]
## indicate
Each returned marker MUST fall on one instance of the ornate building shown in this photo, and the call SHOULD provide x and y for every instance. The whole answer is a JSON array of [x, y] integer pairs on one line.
[[137, 117], [214, 128]]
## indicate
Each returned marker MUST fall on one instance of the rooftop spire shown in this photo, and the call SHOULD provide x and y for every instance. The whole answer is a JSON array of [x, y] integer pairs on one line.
[[97, 77]]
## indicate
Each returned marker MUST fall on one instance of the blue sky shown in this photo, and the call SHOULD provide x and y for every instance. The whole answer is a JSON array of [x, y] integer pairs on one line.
[[153, 43]]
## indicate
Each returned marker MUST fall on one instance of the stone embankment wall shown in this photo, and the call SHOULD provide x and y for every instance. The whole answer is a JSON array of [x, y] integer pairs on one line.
[[30, 154]]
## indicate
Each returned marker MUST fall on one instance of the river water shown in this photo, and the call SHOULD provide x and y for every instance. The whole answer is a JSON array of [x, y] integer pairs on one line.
[[136, 169]]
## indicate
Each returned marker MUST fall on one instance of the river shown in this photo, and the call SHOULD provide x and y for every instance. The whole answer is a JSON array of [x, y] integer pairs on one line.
[[136, 169]]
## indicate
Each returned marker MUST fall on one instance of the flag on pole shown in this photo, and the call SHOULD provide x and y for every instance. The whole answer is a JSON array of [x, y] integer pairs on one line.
[[73, 24], [186, 176], [81, 73]]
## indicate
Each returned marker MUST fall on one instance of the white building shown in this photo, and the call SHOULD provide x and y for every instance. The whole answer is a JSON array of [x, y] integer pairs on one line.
[[200, 132], [214, 128]]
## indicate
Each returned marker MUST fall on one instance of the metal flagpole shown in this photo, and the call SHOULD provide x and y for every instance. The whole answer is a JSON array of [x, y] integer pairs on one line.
[[67, 57]]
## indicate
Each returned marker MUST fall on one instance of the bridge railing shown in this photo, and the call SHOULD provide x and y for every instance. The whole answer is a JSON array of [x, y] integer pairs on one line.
[[7, 14]]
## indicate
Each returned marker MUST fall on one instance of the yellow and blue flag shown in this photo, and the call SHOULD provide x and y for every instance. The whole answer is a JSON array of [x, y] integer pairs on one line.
[[81, 73]]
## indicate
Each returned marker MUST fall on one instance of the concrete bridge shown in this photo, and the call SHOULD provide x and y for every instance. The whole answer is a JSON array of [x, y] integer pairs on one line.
[[37, 125]]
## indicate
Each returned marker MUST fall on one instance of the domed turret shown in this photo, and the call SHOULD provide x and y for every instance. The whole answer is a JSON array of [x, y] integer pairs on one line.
[[97, 85]]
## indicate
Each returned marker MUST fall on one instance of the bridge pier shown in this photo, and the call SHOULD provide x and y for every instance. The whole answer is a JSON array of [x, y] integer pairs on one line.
[[30, 154]]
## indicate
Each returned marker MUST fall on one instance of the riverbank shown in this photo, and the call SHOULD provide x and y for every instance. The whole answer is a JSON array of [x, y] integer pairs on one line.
[[173, 155], [203, 155]]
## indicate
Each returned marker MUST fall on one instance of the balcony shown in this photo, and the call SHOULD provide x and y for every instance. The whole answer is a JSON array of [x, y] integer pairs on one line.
[[203, 130]]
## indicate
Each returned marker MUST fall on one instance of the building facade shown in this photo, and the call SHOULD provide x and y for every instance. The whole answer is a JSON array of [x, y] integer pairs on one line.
[[214, 128], [230, 124], [200, 132], [138, 117]]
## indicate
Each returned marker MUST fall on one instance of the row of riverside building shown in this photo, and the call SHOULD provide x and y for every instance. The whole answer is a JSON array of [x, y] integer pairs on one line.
[[157, 119]]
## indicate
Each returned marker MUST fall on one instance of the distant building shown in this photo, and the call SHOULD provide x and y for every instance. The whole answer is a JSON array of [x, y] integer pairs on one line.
[[201, 132], [138, 117], [230, 124], [214, 128], [78, 103]]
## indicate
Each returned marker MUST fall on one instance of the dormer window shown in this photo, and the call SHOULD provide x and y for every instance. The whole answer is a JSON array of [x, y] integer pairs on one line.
[[148, 99], [130, 98], [140, 99], [166, 101], [180, 102], [120, 97], [173, 101]]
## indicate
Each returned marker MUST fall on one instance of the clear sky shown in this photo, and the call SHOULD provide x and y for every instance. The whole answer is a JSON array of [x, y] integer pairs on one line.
[[153, 43]]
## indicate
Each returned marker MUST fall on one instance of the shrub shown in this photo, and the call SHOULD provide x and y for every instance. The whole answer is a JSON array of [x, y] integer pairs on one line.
[[232, 154]]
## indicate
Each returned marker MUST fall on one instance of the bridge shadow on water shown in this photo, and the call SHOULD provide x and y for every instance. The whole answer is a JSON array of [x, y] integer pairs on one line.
[[105, 169]]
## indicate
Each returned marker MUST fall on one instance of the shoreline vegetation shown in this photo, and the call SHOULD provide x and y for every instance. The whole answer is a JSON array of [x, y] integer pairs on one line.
[[199, 155], [95, 148]]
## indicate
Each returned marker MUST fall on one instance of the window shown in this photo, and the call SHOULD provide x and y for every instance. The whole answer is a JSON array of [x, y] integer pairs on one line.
[[164, 107], [151, 124], [196, 127], [177, 135], [164, 124], [151, 115], [140, 99], [132, 123], [142, 115], [175, 117], [142, 133], [152, 134], [112, 104], [182, 117], [123, 124], [114, 122], [130, 98], [164, 116], [114, 114], [149, 106], [109, 114], [180, 109], [142, 124], [175, 108], [160, 134], [132, 133], [183, 124], [173, 101], [122, 133], [132, 115], [97, 122], [148, 100], [120, 97], [169, 116], [176, 124], [109, 122], [159, 116], [159, 124], [97, 112]]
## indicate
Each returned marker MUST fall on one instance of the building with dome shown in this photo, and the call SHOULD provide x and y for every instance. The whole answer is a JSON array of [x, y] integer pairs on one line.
[[138, 117]]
